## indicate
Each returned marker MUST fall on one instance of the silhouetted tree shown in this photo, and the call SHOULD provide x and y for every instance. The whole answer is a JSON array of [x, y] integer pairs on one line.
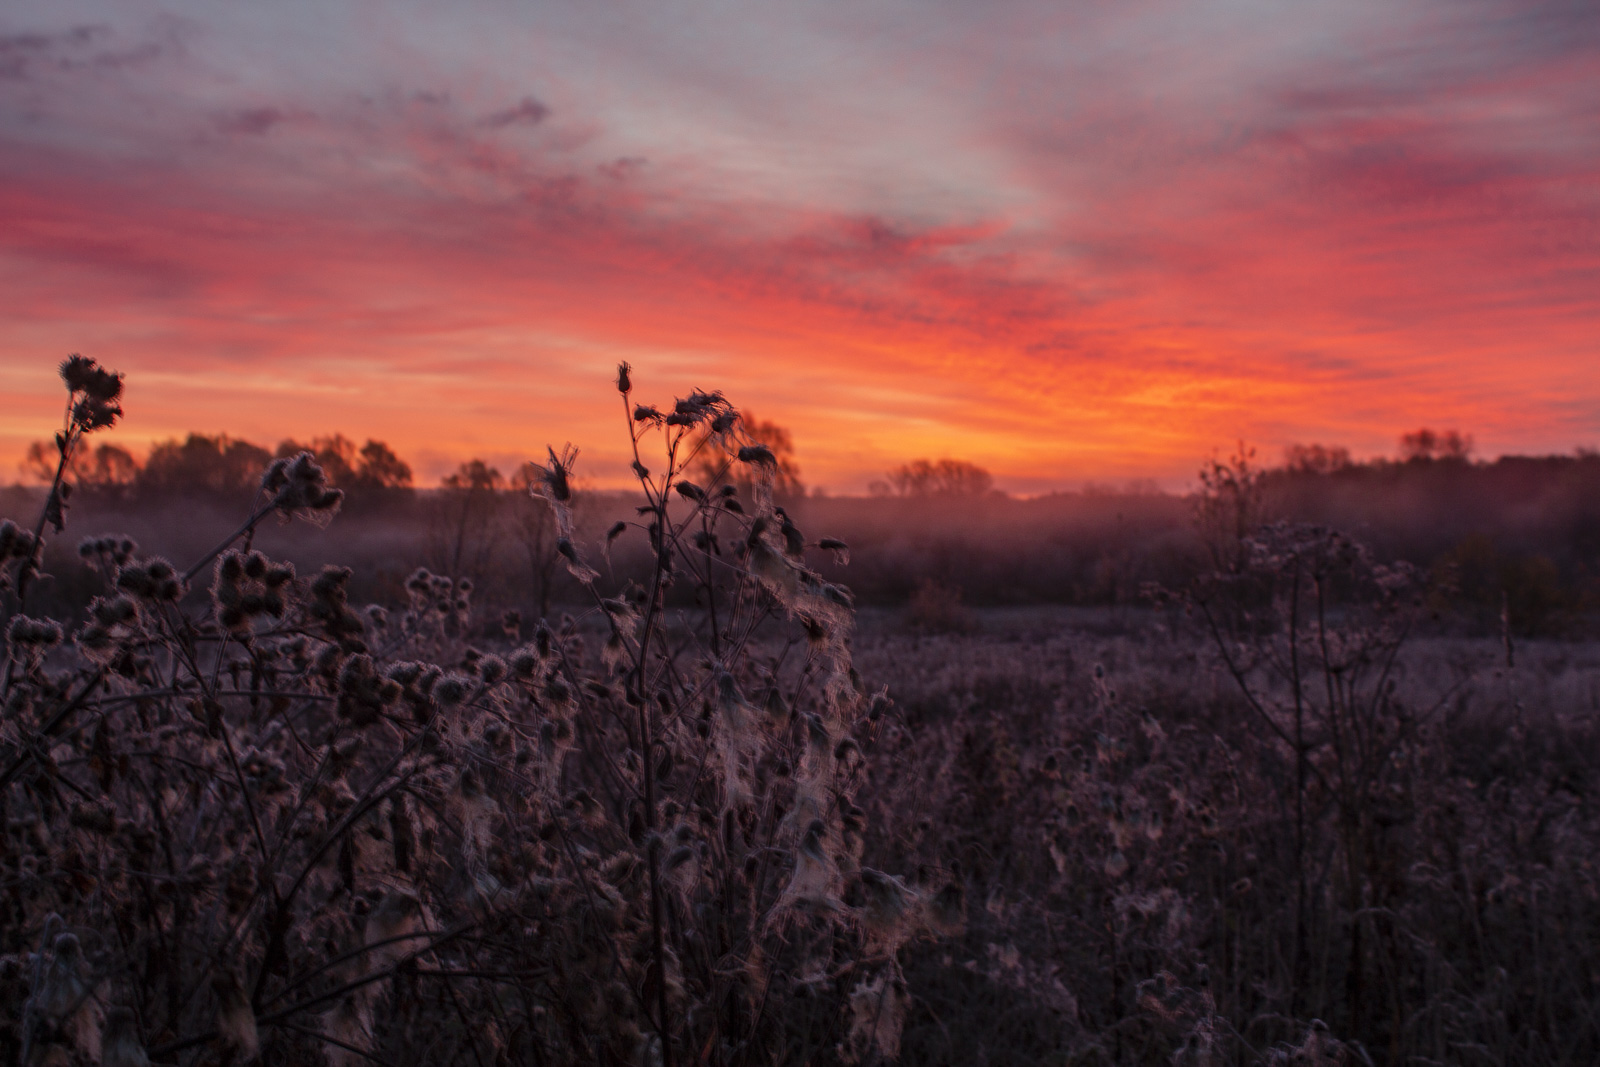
[[380, 468], [477, 475], [1426, 444], [109, 468], [373, 466], [786, 483], [472, 505], [336, 454], [1316, 459], [216, 464], [1230, 506], [39, 465], [105, 468], [944, 477]]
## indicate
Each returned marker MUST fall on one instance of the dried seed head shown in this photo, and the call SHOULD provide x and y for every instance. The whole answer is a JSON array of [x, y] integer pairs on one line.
[[491, 669], [525, 662], [34, 635], [152, 581], [451, 690], [15, 542], [298, 486], [97, 391], [556, 475], [758, 455]]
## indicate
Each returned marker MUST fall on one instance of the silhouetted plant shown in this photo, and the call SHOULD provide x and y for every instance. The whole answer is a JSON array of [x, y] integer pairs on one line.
[[1230, 505], [93, 403], [266, 823], [786, 483], [1312, 631]]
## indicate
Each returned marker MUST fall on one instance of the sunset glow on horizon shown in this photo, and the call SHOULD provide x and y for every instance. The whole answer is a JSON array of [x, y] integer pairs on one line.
[[1065, 243]]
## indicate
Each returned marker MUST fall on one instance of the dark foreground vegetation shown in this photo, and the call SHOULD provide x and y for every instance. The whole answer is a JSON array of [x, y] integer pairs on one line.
[[644, 786]]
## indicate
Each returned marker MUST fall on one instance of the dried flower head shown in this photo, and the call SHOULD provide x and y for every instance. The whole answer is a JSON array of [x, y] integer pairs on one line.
[[95, 392], [247, 586], [298, 486], [151, 581], [32, 639], [555, 477], [758, 455]]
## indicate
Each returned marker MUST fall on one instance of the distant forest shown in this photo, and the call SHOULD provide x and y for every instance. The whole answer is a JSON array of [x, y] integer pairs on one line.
[[1516, 537], [216, 464]]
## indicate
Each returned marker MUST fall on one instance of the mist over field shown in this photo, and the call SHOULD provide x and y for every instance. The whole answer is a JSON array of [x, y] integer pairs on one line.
[[1517, 531]]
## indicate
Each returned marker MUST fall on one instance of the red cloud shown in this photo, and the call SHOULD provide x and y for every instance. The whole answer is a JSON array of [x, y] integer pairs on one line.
[[1319, 261]]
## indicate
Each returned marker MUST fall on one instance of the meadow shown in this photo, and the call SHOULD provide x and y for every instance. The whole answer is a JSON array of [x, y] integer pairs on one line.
[[708, 773]]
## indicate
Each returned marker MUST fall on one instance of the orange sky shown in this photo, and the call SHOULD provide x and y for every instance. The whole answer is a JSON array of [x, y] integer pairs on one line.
[[1093, 245]]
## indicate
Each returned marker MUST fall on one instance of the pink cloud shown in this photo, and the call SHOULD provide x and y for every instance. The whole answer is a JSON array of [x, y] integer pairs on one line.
[[1333, 251]]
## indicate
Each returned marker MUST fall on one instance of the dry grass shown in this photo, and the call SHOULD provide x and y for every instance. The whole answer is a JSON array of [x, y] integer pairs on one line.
[[1127, 832]]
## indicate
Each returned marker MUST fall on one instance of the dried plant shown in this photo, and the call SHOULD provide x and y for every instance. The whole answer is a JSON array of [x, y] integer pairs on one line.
[[1274, 820], [255, 822], [1268, 823]]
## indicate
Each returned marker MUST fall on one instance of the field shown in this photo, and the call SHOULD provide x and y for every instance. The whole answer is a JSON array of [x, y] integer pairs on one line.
[[557, 777], [1127, 833]]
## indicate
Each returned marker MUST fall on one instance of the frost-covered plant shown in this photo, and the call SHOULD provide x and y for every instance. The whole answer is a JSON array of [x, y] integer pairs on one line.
[[93, 403], [265, 823], [1311, 629]]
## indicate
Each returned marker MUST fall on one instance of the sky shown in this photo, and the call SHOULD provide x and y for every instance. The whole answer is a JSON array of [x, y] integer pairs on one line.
[[1067, 241]]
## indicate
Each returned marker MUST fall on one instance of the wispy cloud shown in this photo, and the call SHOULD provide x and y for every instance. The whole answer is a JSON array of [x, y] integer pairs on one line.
[[526, 112], [1092, 243]]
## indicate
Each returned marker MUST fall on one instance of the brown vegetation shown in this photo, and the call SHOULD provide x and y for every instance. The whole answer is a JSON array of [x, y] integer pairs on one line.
[[263, 823], [1305, 803]]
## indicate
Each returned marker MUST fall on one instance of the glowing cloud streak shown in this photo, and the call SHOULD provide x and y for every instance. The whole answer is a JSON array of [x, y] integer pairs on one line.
[[1091, 244]]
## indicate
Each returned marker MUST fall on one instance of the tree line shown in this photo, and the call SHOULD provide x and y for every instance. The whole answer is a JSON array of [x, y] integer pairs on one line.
[[217, 463]]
